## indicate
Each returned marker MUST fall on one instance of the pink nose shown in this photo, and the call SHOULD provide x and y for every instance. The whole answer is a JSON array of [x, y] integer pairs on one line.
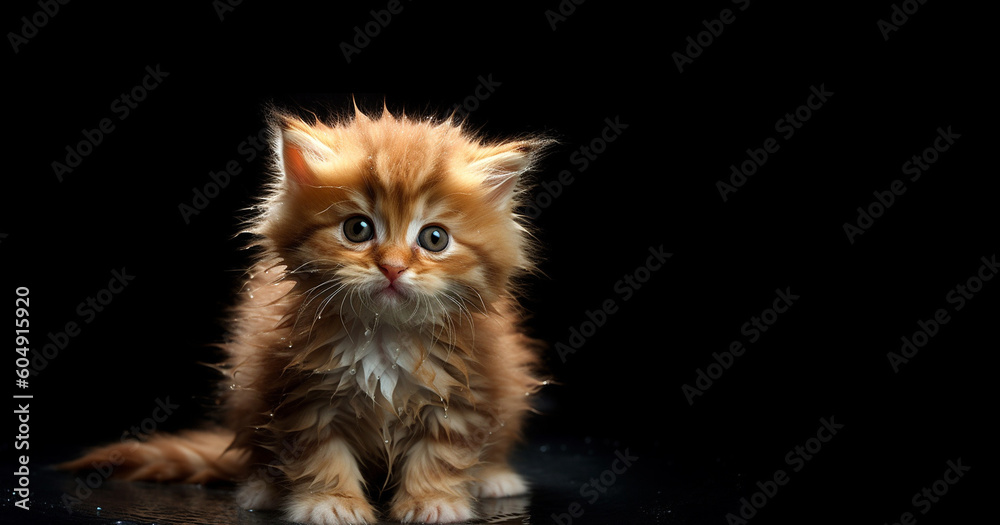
[[391, 272]]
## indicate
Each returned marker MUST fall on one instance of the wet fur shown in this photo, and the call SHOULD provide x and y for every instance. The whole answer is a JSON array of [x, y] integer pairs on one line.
[[330, 380]]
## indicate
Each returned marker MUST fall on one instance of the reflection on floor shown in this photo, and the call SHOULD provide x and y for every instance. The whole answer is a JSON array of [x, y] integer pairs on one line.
[[575, 481]]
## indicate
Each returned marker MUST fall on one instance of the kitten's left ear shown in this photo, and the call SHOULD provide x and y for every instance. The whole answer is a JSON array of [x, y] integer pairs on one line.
[[504, 164], [300, 152]]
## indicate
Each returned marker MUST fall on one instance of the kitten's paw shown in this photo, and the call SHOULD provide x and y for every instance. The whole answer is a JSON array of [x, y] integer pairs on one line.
[[328, 509], [498, 483], [257, 494], [438, 509]]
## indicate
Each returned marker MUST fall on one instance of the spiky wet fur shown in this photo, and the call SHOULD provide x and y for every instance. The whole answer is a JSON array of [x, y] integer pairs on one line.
[[329, 379]]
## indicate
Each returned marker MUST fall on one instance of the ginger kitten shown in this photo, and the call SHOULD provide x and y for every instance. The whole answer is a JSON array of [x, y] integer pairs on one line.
[[378, 332]]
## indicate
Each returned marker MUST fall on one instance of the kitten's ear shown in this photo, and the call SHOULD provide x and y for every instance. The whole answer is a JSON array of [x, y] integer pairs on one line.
[[503, 165], [300, 152]]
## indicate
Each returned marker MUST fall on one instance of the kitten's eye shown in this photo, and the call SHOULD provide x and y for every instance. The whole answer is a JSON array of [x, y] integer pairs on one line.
[[433, 238], [359, 229]]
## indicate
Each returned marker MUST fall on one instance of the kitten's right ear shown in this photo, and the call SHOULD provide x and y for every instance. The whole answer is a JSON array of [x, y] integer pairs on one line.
[[504, 164], [300, 153]]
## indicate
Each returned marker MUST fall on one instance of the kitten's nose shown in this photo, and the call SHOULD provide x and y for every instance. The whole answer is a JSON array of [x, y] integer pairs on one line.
[[391, 272]]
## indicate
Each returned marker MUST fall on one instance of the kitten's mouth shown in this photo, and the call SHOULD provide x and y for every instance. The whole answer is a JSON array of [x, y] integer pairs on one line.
[[392, 292]]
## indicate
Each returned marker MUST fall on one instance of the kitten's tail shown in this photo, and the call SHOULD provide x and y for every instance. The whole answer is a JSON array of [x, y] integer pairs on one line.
[[192, 456]]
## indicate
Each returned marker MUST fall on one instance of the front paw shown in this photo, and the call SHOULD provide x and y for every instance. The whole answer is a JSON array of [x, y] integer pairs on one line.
[[257, 494], [329, 509], [498, 483], [435, 509]]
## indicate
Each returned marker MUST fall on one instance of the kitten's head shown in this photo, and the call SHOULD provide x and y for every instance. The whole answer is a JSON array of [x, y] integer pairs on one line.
[[411, 219]]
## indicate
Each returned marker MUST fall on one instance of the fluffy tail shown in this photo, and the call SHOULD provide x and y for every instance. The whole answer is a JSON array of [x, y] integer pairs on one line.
[[192, 456]]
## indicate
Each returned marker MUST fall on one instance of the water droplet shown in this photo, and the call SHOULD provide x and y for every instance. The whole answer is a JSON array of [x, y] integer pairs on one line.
[[378, 377], [251, 295], [352, 371], [271, 414], [527, 393], [368, 332]]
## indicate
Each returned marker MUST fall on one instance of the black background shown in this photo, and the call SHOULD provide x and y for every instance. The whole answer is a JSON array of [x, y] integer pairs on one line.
[[653, 186]]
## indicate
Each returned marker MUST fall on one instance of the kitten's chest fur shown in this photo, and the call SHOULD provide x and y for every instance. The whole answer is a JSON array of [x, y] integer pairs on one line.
[[375, 359], [391, 380]]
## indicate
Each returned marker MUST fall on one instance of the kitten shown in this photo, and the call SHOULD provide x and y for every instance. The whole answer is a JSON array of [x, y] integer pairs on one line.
[[378, 332]]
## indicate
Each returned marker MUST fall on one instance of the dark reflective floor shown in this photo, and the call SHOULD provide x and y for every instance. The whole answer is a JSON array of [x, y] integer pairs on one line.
[[575, 475]]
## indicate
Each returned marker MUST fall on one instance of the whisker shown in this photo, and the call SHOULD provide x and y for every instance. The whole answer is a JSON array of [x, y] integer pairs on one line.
[[329, 298], [482, 308], [312, 296], [342, 323], [319, 311]]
